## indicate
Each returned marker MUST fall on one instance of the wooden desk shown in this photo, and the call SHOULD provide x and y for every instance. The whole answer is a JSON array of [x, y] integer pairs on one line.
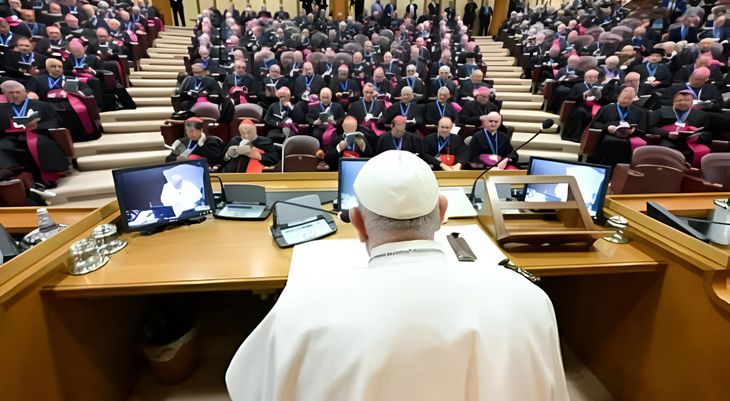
[[241, 255], [649, 336], [22, 220]]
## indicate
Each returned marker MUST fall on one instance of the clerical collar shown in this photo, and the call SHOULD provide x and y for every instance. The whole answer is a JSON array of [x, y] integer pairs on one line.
[[382, 254]]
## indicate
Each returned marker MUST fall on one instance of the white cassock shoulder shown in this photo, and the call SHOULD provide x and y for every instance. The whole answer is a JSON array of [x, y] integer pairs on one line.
[[413, 330]]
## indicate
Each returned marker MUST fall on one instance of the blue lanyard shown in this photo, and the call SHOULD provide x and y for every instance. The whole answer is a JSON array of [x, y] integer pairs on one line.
[[344, 87], [441, 109], [235, 80], [72, 10], [398, 144], [23, 109], [368, 109], [52, 83], [199, 83], [493, 146], [35, 28], [441, 83], [308, 82], [205, 63], [329, 67], [28, 58], [5, 41], [324, 109], [404, 113], [684, 115], [443, 144], [471, 68], [651, 69], [192, 148], [588, 86], [621, 114], [77, 63], [411, 82], [390, 67], [135, 18], [696, 95]]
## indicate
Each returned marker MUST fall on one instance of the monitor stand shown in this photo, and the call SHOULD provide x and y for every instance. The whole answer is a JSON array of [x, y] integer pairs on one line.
[[187, 222]]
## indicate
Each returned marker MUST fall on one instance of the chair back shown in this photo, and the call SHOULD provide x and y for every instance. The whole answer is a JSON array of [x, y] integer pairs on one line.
[[343, 58], [299, 154], [624, 31], [660, 156], [249, 110], [352, 47], [206, 109], [646, 179], [716, 168]]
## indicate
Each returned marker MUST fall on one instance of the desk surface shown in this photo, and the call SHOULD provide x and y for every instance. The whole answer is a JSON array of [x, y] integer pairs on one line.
[[224, 254]]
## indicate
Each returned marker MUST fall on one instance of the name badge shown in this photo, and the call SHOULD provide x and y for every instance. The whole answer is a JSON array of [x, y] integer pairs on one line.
[[695, 102], [680, 125], [18, 126]]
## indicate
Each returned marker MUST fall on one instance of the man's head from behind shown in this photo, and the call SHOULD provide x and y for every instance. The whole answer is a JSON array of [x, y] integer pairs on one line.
[[396, 207]]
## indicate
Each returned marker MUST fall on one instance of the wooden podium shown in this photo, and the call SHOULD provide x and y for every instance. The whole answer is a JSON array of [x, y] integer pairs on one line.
[[539, 225]]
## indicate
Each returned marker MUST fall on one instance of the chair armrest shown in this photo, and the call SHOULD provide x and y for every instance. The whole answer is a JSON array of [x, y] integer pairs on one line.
[[62, 136], [697, 184], [566, 110], [589, 141]]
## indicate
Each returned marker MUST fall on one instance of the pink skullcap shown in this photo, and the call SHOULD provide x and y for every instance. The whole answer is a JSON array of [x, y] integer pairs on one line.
[[482, 91], [704, 71]]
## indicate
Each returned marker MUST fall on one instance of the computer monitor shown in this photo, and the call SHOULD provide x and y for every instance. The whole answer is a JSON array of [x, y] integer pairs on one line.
[[592, 181], [154, 196], [349, 169]]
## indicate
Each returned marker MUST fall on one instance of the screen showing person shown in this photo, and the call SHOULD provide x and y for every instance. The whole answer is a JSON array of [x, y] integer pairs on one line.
[[150, 196], [592, 182], [349, 169]]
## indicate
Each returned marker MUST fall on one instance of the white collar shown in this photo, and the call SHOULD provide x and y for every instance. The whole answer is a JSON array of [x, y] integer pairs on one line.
[[384, 253], [201, 141]]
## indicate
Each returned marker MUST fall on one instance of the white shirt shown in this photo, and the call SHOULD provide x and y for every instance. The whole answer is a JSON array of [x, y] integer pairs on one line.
[[409, 326], [181, 199]]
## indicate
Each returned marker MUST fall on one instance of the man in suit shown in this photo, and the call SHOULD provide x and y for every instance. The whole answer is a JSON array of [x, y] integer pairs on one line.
[[470, 14], [687, 31], [485, 18], [412, 9], [718, 30], [178, 9]]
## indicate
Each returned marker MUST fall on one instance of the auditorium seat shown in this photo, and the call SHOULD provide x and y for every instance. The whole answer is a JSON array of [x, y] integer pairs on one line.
[[716, 168]]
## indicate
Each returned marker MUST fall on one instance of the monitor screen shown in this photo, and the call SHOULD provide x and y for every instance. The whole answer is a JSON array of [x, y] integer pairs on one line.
[[349, 169], [592, 181], [157, 195]]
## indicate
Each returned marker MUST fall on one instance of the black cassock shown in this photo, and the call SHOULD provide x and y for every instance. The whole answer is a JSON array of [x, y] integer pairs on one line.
[[302, 84], [332, 155], [611, 149], [666, 115], [412, 111], [498, 144], [239, 164], [361, 108], [408, 142], [14, 148], [212, 150], [191, 86], [415, 83], [436, 110], [62, 106], [473, 110], [433, 146]]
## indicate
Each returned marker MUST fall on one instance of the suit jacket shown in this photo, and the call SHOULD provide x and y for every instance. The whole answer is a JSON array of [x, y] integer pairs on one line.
[[276, 113], [675, 34]]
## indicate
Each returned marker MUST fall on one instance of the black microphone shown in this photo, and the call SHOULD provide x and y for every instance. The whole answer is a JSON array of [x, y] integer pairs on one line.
[[223, 188], [343, 215], [545, 125]]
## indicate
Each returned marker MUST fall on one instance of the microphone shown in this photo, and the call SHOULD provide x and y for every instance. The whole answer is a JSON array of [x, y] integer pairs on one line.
[[223, 188], [545, 125]]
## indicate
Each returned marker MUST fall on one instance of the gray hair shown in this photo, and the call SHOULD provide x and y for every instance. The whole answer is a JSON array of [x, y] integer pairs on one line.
[[384, 229]]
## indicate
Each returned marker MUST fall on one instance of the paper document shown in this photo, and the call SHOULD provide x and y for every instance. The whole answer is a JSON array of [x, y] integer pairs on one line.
[[459, 204], [318, 259]]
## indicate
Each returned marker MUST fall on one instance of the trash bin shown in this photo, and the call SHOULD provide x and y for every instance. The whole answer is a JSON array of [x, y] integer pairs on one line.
[[171, 346]]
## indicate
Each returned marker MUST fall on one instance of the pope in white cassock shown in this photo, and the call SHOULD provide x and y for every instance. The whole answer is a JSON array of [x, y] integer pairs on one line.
[[181, 194], [408, 327]]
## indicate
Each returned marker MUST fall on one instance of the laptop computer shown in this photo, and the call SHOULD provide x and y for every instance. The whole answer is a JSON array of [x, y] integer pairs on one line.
[[592, 181]]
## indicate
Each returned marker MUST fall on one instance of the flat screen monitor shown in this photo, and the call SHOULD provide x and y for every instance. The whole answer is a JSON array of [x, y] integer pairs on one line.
[[349, 169], [154, 196], [592, 181]]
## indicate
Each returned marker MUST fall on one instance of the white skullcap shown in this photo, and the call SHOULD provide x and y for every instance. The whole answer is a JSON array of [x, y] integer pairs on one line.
[[398, 185]]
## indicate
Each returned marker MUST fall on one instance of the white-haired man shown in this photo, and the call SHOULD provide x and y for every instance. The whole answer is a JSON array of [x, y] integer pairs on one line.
[[409, 324]]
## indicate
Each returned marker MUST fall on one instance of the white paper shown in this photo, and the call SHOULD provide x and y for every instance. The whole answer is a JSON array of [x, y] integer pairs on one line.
[[320, 258], [306, 232], [459, 204], [455, 130]]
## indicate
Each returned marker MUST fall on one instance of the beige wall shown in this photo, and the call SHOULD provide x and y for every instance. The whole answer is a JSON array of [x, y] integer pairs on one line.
[[191, 6]]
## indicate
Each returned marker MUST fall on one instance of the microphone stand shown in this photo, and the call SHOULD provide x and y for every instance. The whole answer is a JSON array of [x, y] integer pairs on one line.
[[545, 125]]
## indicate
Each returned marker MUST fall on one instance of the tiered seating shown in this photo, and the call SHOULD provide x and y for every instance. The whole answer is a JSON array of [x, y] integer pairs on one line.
[[521, 109], [131, 137]]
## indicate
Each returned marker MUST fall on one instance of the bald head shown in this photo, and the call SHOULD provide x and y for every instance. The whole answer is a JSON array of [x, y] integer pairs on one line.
[[349, 124], [699, 77]]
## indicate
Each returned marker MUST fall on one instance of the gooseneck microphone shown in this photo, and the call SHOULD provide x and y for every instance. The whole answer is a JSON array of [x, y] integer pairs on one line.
[[545, 125]]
